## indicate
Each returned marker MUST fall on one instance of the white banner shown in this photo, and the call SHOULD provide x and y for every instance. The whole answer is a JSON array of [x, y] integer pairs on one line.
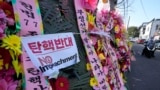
[[51, 52]]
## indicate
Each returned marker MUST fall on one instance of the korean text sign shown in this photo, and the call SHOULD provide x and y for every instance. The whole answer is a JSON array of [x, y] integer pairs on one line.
[[51, 52]]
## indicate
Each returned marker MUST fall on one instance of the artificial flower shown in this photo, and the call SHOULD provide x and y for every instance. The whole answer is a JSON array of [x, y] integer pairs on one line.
[[93, 82], [12, 42], [117, 29], [121, 74], [4, 85], [93, 40], [118, 41], [105, 70], [90, 18], [100, 46], [105, 17], [105, 1], [3, 23], [10, 21], [88, 66], [1, 64], [101, 56], [89, 4], [8, 9], [17, 67], [96, 88], [5, 55], [62, 83], [15, 63]]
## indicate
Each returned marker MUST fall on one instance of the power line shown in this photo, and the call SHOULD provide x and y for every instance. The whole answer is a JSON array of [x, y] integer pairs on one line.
[[143, 9]]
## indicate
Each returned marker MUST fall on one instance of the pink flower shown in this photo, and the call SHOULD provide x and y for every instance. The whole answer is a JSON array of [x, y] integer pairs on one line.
[[1, 32], [105, 70], [10, 21], [4, 85], [103, 16], [89, 4]]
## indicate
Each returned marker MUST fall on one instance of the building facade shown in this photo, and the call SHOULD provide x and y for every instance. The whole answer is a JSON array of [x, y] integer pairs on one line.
[[150, 29]]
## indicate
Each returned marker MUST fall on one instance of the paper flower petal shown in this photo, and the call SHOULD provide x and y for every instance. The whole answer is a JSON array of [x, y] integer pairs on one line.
[[3, 84]]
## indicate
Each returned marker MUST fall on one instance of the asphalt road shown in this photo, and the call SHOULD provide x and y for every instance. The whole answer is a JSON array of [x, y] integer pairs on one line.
[[145, 73]]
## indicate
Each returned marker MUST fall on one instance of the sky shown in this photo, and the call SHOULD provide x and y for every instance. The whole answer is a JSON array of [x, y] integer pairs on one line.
[[141, 11]]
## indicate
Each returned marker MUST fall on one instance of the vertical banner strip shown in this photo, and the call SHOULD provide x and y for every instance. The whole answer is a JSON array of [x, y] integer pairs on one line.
[[111, 74], [108, 50], [28, 19], [92, 56]]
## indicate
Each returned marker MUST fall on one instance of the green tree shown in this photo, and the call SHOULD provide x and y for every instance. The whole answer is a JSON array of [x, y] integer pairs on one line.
[[133, 31]]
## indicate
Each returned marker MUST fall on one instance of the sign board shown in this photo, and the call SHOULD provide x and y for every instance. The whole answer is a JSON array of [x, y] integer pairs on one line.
[[51, 52]]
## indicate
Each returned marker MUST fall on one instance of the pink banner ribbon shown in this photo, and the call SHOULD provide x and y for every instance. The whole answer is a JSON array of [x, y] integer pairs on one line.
[[27, 15], [114, 61], [108, 50], [92, 56]]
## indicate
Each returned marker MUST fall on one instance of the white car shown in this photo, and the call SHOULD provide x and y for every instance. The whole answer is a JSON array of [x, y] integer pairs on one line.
[[157, 45]]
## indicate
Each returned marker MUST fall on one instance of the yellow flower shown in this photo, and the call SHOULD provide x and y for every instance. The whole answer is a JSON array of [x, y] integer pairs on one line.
[[15, 63], [90, 18], [100, 45], [1, 64], [117, 41], [116, 29], [88, 66], [101, 56], [93, 82], [123, 77], [13, 43]]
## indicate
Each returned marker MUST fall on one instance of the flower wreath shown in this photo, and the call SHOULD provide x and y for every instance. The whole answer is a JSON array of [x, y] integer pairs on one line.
[[113, 26]]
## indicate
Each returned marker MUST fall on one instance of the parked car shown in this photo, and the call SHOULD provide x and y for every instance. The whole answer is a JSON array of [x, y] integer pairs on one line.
[[141, 41], [157, 44]]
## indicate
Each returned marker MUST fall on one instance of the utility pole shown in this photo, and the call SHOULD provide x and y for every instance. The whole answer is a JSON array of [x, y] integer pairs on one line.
[[128, 22]]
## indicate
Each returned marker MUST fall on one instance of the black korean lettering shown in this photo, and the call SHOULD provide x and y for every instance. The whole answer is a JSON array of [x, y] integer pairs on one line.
[[32, 33], [86, 40], [28, 59], [102, 81], [33, 71], [27, 6], [90, 52], [41, 88], [81, 18], [82, 24], [96, 67], [28, 13], [28, 10], [94, 60], [104, 87], [83, 31], [112, 53], [35, 79], [80, 12], [88, 46], [100, 73]]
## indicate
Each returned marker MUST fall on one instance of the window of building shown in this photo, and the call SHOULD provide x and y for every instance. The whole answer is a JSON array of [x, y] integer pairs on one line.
[[157, 27], [144, 30]]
